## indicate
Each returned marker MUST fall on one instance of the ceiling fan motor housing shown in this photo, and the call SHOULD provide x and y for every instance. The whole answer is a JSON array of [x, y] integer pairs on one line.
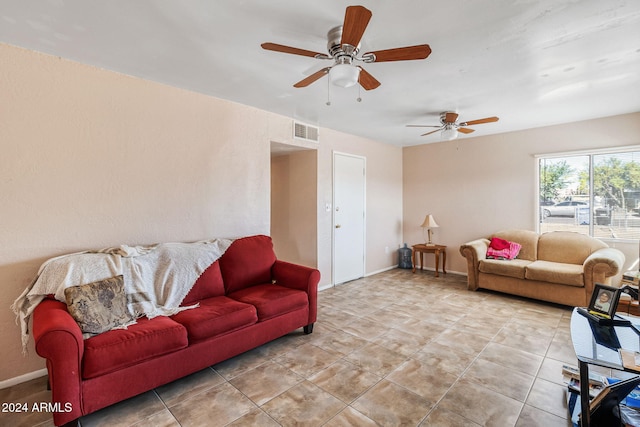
[[343, 54]]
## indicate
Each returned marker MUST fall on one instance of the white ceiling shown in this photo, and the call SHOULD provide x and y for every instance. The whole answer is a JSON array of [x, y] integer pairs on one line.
[[531, 62]]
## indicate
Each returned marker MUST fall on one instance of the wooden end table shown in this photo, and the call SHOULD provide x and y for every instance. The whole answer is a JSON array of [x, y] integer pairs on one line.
[[423, 248], [628, 307]]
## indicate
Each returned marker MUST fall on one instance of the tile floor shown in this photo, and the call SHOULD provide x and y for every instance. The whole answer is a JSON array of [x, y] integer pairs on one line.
[[393, 349]]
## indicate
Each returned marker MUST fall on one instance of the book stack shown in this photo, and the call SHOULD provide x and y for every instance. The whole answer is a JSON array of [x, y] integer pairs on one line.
[[625, 394], [631, 278], [571, 377]]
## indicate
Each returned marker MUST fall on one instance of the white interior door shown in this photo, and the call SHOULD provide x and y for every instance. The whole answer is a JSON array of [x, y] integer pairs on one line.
[[348, 217]]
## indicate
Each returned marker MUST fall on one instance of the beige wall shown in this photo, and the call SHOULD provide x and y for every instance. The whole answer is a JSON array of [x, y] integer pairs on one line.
[[476, 186], [293, 207], [92, 158]]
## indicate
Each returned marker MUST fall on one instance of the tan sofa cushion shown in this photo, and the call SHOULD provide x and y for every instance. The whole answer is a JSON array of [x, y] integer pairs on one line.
[[556, 272], [527, 238], [510, 268], [567, 247]]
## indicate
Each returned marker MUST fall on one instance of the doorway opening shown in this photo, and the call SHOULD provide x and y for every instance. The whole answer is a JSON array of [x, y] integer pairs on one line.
[[294, 195]]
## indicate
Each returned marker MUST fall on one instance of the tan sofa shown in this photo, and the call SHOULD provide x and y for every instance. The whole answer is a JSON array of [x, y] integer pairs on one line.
[[559, 266]]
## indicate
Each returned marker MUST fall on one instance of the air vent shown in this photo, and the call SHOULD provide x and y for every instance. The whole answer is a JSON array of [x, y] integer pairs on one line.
[[306, 132]]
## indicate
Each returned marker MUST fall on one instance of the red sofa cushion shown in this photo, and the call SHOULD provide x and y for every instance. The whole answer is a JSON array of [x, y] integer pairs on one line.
[[208, 285], [215, 316], [272, 300], [247, 262], [119, 348]]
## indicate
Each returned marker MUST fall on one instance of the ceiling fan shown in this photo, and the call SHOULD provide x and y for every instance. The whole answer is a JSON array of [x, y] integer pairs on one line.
[[450, 127], [343, 46]]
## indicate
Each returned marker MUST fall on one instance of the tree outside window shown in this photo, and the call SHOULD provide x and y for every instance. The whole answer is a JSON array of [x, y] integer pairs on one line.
[[554, 178]]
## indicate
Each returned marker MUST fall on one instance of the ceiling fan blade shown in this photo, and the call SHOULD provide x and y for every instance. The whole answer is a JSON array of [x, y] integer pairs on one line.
[[466, 130], [366, 80], [312, 78], [480, 121], [401, 53], [450, 117], [423, 126], [429, 133], [288, 49], [356, 19]]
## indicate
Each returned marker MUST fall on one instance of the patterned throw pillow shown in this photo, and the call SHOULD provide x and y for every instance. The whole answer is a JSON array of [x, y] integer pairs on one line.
[[98, 306]]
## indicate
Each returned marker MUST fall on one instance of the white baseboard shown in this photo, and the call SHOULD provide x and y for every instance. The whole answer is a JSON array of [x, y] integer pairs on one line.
[[331, 285], [22, 378], [381, 271], [458, 273], [325, 287]]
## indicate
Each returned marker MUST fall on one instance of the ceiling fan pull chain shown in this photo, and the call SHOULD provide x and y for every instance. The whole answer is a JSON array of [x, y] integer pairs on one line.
[[359, 99], [328, 91]]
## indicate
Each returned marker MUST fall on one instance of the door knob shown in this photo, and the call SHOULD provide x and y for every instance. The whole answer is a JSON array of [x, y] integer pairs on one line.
[[338, 226]]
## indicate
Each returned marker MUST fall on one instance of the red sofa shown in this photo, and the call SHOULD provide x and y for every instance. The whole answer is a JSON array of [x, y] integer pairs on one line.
[[246, 298]]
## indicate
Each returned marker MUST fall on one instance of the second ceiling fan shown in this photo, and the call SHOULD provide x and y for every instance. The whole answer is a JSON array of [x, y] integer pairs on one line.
[[450, 126], [343, 46]]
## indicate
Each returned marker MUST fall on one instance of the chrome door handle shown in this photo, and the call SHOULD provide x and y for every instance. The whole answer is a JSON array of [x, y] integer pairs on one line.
[[338, 226]]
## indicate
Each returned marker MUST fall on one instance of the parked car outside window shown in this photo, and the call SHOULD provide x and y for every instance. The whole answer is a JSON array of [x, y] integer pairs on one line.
[[563, 209]]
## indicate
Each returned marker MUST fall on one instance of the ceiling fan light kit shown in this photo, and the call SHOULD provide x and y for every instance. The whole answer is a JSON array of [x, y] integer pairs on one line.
[[344, 75], [449, 133]]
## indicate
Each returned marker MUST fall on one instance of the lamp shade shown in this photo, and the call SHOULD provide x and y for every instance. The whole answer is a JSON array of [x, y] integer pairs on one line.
[[449, 133], [344, 75], [429, 222]]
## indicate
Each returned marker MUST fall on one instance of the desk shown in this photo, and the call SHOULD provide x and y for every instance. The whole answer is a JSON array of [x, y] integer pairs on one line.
[[422, 248], [598, 345]]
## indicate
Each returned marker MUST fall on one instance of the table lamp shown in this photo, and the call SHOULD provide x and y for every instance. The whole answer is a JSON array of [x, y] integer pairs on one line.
[[428, 224]]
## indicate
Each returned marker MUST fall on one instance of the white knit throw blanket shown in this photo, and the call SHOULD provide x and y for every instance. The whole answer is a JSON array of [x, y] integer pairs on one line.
[[156, 278]]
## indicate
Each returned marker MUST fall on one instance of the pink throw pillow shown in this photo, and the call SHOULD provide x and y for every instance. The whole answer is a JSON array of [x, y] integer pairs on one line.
[[503, 249]]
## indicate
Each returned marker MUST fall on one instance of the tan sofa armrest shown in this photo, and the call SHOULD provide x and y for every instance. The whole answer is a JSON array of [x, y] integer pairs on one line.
[[474, 251], [600, 266]]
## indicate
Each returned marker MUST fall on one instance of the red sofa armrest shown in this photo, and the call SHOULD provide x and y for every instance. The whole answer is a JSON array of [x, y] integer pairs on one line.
[[299, 277], [58, 339]]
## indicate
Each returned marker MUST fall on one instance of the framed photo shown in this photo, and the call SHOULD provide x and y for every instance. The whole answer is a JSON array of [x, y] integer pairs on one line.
[[604, 300]]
